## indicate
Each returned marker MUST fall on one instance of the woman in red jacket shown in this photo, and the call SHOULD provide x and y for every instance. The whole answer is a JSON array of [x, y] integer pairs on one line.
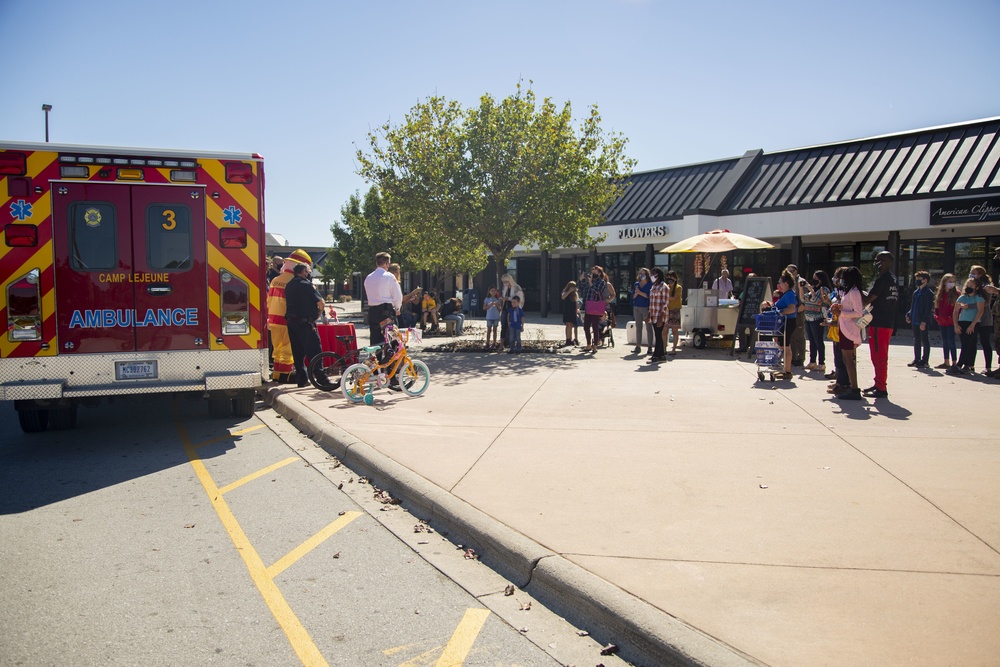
[[944, 306]]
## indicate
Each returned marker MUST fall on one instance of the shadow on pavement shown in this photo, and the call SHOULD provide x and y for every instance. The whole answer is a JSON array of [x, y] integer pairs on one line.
[[111, 444]]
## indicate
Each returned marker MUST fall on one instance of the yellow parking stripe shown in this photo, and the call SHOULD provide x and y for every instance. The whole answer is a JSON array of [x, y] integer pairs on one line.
[[259, 473], [298, 637], [462, 639], [298, 552]]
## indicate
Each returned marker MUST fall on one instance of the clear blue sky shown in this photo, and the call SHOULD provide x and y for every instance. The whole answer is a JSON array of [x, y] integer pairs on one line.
[[302, 82]]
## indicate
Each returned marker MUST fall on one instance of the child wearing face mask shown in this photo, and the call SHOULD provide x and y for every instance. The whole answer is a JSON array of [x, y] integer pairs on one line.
[[968, 312], [944, 309], [919, 318]]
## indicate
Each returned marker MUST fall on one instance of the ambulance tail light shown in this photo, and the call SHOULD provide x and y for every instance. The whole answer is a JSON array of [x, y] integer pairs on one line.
[[21, 236], [235, 304], [239, 172], [24, 321], [230, 237], [13, 164]]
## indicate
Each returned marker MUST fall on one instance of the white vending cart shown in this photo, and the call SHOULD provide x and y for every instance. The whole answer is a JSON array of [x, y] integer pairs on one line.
[[706, 316]]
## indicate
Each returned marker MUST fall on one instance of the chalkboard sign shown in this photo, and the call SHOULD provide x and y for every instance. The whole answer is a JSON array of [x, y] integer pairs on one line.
[[756, 291]]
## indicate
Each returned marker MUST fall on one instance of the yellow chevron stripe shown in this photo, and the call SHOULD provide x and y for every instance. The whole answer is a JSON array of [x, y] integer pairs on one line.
[[38, 161], [216, 260], [243, 196], [215, 306], [40, 259], [214, 214]]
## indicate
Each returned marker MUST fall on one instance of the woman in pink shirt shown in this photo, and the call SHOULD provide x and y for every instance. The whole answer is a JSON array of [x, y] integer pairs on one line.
[[851, 307]]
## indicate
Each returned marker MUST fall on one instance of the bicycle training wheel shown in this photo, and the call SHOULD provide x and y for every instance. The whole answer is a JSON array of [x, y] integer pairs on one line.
[[356, 382], [326, 369], [414, 378]]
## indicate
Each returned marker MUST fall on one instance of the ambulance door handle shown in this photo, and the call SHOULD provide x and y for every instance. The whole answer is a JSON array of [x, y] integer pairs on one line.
[[159, 289]]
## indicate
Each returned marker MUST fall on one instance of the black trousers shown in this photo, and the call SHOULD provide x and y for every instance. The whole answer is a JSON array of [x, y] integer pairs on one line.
[[658, 350], [376, 315], [305, 344], [505, 324]]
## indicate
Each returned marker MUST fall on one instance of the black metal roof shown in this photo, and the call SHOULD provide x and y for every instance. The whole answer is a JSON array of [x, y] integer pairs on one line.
[[667, 193], [951, 160], [942, 161]]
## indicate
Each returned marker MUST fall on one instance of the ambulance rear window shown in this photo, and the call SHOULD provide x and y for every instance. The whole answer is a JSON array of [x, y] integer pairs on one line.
[[168, 237], [93, 236]]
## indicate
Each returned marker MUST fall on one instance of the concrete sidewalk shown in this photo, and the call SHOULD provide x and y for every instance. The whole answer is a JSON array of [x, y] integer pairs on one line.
[[692, 515]]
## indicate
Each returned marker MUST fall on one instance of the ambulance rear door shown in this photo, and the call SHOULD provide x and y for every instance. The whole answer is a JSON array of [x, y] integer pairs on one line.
[[130, 267]]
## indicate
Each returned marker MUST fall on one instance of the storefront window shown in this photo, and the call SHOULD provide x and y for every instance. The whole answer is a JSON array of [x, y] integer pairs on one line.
[[922, 255], [867, 266], [969, 252]]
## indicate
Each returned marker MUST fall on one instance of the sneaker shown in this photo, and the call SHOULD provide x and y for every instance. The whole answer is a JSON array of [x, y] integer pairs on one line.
[[810, 366], [872, 392], [913, 363], [636, 350], [830, 376], [849, 395], [821, 368], [836, 389], [944, 365], [921, 364]]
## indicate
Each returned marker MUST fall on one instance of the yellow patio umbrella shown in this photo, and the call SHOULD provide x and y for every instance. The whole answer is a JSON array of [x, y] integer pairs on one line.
[[718, 240]]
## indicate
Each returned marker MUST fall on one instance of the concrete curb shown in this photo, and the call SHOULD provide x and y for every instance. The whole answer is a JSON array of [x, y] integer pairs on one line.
[[644, 634]]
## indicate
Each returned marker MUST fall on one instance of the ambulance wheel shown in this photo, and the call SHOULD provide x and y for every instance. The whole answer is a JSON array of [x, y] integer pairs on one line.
[[33, 421], [699, 340], [243, 404], [220, 407], [62, 419]]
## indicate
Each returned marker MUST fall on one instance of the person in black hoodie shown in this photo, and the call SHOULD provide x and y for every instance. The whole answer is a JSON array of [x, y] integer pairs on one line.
[[919, 317]]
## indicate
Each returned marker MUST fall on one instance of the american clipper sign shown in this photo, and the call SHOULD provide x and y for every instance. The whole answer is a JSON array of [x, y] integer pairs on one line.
[[959, 211]]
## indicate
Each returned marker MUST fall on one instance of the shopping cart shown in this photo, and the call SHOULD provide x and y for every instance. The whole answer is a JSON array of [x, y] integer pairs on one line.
[[770, 344]]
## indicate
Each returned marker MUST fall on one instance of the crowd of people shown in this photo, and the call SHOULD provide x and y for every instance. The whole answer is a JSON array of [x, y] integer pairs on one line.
[[814, 310], [842, 312]]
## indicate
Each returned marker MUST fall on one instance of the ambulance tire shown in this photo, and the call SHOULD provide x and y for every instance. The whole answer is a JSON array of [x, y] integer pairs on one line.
[[219, 408], [33, 421], [243, 405], [62, 419]]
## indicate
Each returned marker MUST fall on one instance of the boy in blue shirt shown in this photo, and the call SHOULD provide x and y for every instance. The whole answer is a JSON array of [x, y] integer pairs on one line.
[[919, 318], [516, 325]]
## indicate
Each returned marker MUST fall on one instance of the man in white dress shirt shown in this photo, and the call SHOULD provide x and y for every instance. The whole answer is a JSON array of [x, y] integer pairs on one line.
[[385, 297]]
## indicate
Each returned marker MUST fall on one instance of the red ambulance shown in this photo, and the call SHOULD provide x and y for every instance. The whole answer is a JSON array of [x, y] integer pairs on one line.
[[129, 271]]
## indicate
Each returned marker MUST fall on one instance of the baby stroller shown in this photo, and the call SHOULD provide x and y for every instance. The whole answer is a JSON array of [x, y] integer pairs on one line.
[[606, 328]]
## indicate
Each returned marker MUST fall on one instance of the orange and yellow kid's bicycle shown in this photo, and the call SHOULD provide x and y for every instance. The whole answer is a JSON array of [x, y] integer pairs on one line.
[[360, 380]]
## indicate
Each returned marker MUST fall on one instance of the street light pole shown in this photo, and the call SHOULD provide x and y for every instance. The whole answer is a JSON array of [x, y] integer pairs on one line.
[[46, 108]]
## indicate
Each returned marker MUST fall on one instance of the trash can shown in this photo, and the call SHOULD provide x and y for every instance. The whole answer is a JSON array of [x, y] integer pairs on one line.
[[470, 301]]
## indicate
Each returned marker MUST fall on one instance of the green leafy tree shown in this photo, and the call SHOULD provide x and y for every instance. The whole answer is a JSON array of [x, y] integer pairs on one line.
[[360, 233], [462, 185]]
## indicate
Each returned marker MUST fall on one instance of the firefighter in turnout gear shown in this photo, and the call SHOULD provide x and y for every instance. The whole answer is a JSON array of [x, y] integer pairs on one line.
[[284, 366]]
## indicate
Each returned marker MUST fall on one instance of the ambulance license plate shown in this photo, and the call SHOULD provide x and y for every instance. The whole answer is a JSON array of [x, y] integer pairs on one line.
[[135, 370]]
